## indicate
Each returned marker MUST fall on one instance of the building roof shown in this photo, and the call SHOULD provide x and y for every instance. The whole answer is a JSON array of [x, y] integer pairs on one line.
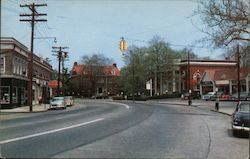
[[225, 74], [79, 69]]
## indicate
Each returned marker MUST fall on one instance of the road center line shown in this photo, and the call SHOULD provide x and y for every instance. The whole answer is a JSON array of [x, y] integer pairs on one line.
[[49, 132]]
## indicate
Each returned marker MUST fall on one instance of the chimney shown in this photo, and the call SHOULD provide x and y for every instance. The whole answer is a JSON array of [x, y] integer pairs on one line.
[[75, 63], [114, 65]]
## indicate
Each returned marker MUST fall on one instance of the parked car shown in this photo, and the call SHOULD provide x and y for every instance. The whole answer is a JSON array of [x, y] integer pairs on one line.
[[240, 118], [216, 95], [99, 96], [194, 95], [58, 102], [69, 100], [243, 96], [209, 96]]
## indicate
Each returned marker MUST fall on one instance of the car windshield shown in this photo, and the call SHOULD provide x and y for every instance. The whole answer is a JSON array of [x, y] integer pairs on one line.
[[210, 93], [244, 107], [57, 98], [69, 97]]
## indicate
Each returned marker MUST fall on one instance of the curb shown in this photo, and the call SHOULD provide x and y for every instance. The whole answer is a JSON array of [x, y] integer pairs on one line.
[[39, 111], [178, 104], [220, 112]]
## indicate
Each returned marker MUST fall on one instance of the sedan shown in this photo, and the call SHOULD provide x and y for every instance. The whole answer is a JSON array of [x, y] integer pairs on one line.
[[69, 100], [209, 96], [58, 102], [243, 96], [240, 118]]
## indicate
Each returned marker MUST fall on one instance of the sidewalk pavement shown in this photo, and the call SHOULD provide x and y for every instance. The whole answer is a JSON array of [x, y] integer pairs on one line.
[[225, 107], [26, 109]]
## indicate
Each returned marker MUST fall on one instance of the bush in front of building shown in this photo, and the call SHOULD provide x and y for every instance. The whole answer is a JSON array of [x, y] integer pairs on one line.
[[117, 98], [164, 96]]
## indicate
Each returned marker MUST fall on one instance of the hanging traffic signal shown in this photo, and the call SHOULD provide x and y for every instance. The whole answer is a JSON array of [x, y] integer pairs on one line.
[[123, 45]]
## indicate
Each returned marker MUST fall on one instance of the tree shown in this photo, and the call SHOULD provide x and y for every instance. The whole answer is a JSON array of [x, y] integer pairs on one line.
[[226, 21], [93, 66], [153, 62], [134, 60]]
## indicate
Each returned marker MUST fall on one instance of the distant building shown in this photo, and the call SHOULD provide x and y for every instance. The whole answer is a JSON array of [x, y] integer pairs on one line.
[[209, 75], [14, 74], [205, 76], [225, 80], [96, 80]]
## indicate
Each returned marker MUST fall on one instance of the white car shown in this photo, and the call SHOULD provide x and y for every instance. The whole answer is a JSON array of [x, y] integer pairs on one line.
[[69, 100], [209, 95], [58, 102]]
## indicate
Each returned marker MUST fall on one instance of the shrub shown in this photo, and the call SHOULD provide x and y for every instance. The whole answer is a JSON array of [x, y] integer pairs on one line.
[[117, 98]]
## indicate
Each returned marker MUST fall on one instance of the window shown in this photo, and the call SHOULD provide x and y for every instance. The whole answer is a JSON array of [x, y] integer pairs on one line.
[[2, 64], [14, 95], [4, 95], [15, 65]]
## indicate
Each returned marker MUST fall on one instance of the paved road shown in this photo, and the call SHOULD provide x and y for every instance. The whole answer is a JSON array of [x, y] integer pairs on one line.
[[100, 129]]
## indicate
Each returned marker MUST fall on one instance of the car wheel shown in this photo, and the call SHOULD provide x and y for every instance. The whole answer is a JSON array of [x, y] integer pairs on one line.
[[235, 133]]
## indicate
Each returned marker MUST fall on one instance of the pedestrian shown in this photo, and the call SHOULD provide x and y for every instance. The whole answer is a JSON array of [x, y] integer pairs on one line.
[[40, 100]]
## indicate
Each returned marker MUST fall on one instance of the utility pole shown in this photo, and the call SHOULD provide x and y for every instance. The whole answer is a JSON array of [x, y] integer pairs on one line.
[[238, 72], [63, 72], [34, 15], [60, 54], [189, 82]]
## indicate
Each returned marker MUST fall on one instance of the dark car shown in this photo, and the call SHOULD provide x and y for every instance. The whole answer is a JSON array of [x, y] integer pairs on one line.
[[194, 95], [243, 96], [240, 118]]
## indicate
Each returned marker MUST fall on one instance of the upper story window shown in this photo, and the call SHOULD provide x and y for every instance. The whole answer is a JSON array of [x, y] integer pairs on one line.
[[2, 64], [20, 67]]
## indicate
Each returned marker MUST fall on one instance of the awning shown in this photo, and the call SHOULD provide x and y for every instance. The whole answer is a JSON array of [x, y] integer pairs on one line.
[[224, 82], [54, 84]]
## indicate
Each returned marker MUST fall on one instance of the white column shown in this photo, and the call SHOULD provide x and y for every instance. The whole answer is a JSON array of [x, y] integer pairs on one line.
[[174, 84], [151, 87], [247, 85], [214, 86], [161, 83], [230, 87], [201, 89], [155, 84]]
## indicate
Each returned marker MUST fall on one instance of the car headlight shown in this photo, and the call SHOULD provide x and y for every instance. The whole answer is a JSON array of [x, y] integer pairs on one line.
[[237, 120]]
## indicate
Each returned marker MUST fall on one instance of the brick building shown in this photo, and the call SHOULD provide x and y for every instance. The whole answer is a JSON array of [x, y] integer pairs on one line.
[[14, 74], [97, 80], [207, 75]]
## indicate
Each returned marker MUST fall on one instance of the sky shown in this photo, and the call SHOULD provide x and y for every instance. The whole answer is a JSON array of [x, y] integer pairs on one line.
[[96, 26]]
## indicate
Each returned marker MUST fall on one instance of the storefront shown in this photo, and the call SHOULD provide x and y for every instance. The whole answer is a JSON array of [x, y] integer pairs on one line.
[[13, 93]]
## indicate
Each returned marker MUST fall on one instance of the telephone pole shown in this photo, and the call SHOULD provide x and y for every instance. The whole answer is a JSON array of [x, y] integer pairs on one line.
[[189, 82], [32, 19], [64, 58], [60, 55], [238, 72]]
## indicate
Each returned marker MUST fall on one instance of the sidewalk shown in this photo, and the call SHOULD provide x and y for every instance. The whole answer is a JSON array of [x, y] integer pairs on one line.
[[26, 109], [225, 107]]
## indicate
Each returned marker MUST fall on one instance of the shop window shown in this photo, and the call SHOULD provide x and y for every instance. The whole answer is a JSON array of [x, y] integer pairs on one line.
[[2, 64], [4, 95], [14, 95], [23, 96]]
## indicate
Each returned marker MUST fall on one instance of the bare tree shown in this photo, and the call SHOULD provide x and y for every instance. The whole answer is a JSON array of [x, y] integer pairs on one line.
[[226, 21]]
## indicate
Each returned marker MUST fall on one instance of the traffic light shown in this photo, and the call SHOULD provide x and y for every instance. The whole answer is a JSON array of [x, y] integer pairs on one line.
[[123, 45]]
